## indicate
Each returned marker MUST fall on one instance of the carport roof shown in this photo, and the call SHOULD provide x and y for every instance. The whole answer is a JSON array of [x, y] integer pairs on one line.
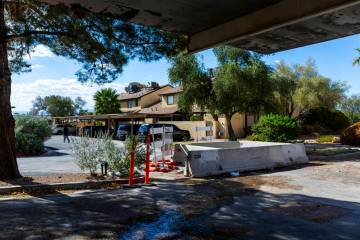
[[264, 26]]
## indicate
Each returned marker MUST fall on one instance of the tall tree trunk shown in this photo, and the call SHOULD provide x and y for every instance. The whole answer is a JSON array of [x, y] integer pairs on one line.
[[8, 164], [231, 132]]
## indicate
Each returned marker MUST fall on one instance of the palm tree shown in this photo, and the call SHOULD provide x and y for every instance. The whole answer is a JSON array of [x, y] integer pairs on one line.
[[106, 101]]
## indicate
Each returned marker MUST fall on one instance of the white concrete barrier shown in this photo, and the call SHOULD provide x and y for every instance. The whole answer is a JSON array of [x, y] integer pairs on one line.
[[206, 159]]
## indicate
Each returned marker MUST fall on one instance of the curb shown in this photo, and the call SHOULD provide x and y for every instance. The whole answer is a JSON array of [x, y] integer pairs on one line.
[[67, 186], [333, 157]]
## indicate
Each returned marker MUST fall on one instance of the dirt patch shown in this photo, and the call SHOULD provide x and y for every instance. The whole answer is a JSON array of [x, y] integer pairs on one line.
[[255, 181], [60, 178], [315, 212]]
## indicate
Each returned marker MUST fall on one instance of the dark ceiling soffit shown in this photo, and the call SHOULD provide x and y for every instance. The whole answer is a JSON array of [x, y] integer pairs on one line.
[[268, 19]]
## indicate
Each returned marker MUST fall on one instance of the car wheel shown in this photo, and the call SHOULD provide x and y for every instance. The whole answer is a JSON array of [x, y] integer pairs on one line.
[[59, 132]]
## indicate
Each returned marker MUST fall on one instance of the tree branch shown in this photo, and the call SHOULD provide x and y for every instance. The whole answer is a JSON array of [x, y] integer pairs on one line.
[[31, 33]]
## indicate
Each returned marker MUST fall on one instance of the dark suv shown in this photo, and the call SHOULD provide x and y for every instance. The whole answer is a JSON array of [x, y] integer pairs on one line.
[[178, 134], [124, 130]]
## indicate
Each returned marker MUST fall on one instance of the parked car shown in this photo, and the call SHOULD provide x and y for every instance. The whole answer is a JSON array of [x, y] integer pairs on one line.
[[58, 129], [124, 130], [178, 134], [94, 131]]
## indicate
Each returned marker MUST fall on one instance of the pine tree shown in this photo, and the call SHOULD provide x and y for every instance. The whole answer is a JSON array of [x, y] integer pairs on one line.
[[102, 43]]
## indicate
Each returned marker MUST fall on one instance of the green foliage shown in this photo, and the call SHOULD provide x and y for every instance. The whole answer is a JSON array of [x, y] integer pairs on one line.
[[316, 91], [57, 106], [187, 71], [196, 118], [106, 101], [325, 138], [301, 87], [275, 128], [30, 134], [250, 137], [79, 104], [351, 107], [327, 119], [357, 60], [134, 87], [242, 84], [102, 42], [285, 84], [120, 161]]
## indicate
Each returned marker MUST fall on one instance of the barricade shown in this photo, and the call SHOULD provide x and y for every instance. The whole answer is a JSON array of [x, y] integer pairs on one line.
[[208, 133]]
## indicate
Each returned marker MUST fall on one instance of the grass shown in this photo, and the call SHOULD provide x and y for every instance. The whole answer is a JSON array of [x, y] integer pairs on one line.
[[325, 138]]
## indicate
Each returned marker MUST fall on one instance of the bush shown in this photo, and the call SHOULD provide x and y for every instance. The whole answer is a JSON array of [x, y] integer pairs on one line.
[[325, 138], [30, 134], [89, 152], [275, 128], [250, 137], [196, 118], [351, 135], [325, 119], [120, 161]]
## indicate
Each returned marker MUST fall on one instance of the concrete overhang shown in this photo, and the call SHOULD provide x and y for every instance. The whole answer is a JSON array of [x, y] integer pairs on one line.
[[264, 26]]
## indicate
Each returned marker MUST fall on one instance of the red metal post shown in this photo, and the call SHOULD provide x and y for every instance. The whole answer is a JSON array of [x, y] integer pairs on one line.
[[132, 167], [147, 163]]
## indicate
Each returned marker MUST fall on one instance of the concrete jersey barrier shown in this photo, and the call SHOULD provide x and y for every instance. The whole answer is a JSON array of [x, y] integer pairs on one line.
[[207, 159]]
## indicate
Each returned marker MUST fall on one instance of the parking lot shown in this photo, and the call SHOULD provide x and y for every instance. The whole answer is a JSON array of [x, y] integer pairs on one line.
[[57, 159]]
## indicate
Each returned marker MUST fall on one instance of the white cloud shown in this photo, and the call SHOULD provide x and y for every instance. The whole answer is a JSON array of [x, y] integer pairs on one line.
[[24, 93], [277, 61], [37, 66], [40, 51]]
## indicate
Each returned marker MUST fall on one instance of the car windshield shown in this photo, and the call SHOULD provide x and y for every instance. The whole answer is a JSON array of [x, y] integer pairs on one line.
[[144, 128], [123, 127]]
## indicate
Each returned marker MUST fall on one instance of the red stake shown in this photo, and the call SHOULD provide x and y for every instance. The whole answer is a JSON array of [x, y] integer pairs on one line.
[[132, 166], [147, 163]]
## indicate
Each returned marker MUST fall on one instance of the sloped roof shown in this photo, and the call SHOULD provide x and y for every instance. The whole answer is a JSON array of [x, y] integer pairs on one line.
[[174, 90], [127, 96], [143, 92]]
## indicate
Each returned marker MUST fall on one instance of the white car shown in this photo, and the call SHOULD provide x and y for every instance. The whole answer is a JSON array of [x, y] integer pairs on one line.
[[59, 129]]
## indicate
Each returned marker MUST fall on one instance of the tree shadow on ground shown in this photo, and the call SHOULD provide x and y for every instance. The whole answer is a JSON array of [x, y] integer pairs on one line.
[[218, 208]]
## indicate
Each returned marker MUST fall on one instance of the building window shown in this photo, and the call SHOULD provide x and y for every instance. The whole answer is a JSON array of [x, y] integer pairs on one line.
[[170, 100], [129, 103], [136, 102]]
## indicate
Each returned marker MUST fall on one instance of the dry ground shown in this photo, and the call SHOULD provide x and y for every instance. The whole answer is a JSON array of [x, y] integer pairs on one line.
[[319, 200]]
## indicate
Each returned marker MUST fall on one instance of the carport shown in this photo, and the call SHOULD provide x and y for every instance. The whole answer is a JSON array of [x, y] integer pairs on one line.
[[264, 26], [110, 120]]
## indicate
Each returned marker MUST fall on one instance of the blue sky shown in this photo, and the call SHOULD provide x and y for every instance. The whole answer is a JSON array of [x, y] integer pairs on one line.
[[56, 75]]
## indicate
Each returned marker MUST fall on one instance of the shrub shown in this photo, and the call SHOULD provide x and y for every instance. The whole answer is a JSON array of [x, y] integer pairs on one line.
[[250, 137], [196, 118], [351, 135], [325, 119], [30, 134], [120, 161], [88, 152], [275, 128], [325, 138]]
